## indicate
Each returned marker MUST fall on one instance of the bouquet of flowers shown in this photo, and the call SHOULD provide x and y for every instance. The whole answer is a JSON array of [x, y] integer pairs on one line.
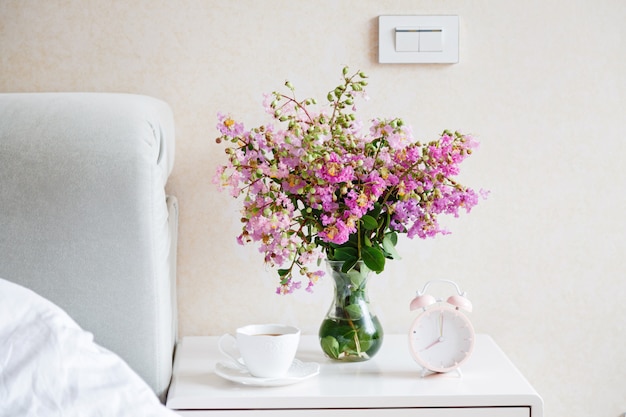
[[315, 184]]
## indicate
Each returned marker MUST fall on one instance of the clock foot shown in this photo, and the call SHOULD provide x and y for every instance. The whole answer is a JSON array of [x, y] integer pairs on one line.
[[425, 372]]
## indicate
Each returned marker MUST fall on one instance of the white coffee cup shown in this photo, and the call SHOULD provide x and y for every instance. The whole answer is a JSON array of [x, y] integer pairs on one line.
[[267, 350]]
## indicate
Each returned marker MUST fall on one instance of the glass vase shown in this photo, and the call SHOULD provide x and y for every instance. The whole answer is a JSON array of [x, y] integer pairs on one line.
[[350, 331]]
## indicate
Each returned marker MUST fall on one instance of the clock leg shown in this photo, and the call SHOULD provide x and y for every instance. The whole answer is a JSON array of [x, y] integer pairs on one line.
[[425, 372]]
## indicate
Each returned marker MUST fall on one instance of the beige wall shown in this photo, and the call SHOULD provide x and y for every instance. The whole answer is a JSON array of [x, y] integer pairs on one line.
[[541, 83]]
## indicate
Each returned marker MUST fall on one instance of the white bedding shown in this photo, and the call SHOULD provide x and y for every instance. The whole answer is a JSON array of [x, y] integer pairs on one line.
[[50, 367]]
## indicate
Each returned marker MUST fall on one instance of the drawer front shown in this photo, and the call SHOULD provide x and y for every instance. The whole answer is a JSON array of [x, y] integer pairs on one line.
[[372, 412]]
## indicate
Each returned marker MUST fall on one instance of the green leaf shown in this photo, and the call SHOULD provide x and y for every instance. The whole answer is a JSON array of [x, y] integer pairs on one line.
[[349, 264], [330, 346], [354, 311], [356, 278], [390, 247], [375, 212], [283, 272], [369, 223], [365, 339], [345, 253], [373, 258], [393, 236]]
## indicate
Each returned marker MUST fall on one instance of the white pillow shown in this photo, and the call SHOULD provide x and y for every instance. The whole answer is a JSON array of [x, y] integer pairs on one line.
[[50, 367]]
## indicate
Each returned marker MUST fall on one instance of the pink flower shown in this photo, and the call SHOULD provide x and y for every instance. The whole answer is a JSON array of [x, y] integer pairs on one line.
[[228, 126], [335, 171], [308, 177], [337, 232], [288, 287], [293, 184]]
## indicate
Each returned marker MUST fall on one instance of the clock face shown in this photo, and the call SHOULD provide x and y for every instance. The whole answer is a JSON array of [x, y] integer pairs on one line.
[[441, 338]]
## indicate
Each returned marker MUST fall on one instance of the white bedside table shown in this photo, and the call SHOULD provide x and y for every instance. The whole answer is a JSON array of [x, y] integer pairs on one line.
[[490, 386]]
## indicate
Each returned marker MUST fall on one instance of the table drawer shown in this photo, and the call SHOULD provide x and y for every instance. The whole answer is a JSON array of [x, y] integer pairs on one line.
[[372, 412]]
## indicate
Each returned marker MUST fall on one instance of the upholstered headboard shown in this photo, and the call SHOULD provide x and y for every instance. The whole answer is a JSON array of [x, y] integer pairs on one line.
[[85, 221]]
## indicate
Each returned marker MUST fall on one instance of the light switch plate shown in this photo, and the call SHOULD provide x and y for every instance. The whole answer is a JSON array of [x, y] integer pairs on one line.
[[434, 47]]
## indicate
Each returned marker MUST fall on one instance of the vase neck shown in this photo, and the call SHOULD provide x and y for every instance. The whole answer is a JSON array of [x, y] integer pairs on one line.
[[354, 279]]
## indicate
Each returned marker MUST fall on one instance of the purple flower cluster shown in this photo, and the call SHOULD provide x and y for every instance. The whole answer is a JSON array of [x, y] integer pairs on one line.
[[307, 186]]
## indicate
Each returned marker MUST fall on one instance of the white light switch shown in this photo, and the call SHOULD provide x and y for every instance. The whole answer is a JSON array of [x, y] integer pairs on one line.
[[418, 39], [407, 39], [431, 39]]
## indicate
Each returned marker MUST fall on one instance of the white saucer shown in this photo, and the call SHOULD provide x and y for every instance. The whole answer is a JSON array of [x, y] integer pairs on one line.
[[299, 371]]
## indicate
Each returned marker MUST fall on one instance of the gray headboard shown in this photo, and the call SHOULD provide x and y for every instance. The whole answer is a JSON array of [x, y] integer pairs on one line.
[[85, 221]]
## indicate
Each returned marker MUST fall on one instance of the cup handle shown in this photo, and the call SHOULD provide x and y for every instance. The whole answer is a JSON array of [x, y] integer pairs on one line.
[[229, 355]]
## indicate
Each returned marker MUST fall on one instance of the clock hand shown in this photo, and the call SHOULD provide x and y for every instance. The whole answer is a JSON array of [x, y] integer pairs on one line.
[[439, 340], [441, 326]]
